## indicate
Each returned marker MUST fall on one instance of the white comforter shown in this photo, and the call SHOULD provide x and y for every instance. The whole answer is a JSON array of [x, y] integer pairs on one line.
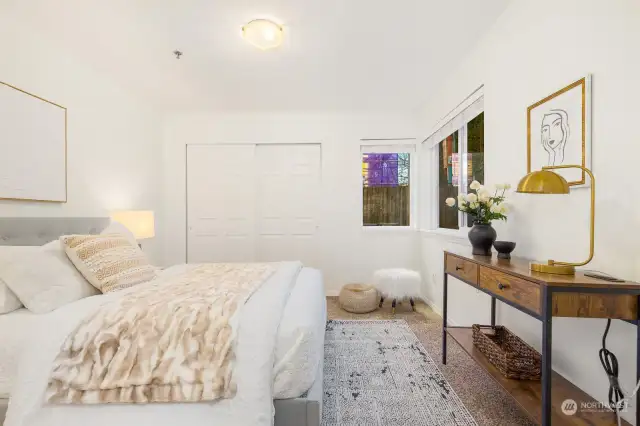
[[300, 345], [256, 324]]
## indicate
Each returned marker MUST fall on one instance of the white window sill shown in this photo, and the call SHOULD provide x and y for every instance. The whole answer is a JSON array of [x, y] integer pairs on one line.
[[389, 228], [459, 236]]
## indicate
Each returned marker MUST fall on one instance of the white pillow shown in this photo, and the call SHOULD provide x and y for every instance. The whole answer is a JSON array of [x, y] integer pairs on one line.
[[9, 302], [118, 228], [43, 278]]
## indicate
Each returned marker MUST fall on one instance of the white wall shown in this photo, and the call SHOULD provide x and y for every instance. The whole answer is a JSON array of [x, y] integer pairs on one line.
[[534, 49], [114, 145], [346, 252]]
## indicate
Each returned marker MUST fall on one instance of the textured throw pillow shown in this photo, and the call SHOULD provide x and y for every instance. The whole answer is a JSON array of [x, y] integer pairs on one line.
[[110, 262], [43, 278]]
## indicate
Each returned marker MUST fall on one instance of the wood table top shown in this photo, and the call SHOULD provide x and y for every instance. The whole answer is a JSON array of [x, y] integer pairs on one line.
[[520, 267]]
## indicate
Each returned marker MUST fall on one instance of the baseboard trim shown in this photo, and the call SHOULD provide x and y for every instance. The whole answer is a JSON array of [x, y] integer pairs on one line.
[[435, 308]]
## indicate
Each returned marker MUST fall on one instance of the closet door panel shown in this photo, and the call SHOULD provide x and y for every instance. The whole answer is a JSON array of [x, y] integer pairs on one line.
[[287, 193], [220, 203]]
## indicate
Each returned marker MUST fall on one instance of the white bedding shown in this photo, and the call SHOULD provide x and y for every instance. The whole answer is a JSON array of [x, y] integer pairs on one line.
[[300, 346], [255, 348], [298, 349], [15, 329]]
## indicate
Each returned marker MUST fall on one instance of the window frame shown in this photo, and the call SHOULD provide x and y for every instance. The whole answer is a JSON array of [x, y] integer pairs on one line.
[[430, 151], [462, 177], [389, 147]]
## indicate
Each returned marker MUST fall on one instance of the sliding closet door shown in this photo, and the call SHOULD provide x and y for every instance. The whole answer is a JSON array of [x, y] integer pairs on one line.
[[287, 192], [220, 203]]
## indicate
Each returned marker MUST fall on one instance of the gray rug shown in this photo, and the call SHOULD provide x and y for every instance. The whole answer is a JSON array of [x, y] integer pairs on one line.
[[378, 373]]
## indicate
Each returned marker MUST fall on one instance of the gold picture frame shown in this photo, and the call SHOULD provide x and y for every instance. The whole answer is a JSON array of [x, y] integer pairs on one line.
[[62, 201], [563, 123]]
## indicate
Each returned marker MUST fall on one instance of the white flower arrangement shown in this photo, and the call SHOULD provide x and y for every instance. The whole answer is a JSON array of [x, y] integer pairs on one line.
[[481, 204]]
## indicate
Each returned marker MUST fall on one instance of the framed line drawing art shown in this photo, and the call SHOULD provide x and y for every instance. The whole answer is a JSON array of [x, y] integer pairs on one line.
[[33, 147], [559, 131]]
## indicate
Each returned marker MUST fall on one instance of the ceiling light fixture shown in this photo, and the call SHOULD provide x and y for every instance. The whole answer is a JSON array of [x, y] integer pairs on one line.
[[263, 33]]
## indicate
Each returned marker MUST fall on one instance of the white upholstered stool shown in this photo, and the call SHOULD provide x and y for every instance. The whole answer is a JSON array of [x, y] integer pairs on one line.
[[397, 284]]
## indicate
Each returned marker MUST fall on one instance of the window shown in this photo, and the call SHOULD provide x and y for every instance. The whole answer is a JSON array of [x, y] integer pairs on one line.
[[386, 189], [475, 150], [461, 161], [453, 158], [448, 178]]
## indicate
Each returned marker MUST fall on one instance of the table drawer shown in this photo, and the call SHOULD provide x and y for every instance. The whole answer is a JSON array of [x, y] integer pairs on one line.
[[521, 292], [463, 269]]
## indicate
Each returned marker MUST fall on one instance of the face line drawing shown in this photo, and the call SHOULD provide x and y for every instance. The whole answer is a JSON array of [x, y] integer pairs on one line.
[[554, 134]]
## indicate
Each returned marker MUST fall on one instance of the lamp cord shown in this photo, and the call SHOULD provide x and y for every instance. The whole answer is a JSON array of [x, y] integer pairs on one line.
[[610, 364]]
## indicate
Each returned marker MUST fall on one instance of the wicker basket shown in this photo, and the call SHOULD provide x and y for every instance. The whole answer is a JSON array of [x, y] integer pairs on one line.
[[507, 352], [359, 298]]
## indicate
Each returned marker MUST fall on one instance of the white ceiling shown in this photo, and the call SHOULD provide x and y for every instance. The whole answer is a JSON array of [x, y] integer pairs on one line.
[[337, 55]]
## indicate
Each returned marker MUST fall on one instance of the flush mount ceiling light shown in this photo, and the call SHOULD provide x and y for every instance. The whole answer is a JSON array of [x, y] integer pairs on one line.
[[263, 33]]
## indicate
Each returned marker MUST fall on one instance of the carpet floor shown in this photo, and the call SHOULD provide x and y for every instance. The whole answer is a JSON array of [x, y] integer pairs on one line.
[[485, 400]]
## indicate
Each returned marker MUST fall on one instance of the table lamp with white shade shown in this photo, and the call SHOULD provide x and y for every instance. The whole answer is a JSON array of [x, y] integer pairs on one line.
[[139, 222]]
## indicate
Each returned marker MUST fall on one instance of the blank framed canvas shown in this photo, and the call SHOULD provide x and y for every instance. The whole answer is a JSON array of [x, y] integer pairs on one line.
[[33, 147]]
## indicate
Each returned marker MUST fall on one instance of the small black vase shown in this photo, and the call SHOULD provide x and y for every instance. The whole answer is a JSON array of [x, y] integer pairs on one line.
[[482, 237]]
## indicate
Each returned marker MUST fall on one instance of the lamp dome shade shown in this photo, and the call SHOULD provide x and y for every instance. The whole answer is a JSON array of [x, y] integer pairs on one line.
[[263, 33], [543, 182]]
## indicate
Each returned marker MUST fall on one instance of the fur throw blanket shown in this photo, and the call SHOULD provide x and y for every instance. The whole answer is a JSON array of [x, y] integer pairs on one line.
[[165, 341]]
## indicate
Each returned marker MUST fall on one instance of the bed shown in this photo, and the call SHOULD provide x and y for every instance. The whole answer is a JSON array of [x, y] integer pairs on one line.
[[297, 384]]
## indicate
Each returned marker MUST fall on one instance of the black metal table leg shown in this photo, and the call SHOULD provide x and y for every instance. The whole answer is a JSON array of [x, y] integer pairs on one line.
[[444, 318], [546, 356], [637, 404], [493, 312]]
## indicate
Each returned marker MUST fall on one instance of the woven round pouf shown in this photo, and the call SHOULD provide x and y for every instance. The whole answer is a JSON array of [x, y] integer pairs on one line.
[[359, 298]]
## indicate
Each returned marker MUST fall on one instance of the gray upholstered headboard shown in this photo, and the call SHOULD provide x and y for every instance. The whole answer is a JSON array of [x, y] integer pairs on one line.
[[35, 231]]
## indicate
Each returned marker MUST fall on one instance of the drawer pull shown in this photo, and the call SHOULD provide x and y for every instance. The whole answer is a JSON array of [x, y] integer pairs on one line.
[[502, 286], [458, 268]]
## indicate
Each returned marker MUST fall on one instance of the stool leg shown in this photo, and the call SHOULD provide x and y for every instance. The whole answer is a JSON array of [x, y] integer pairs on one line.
[[413, 305], [381, 301], [393, 306]]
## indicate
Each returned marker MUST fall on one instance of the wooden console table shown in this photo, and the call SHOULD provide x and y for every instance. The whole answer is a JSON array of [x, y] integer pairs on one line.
[[541, 296]]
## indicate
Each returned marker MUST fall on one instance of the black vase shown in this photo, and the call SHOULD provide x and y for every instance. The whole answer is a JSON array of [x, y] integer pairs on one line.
[[482, 237]]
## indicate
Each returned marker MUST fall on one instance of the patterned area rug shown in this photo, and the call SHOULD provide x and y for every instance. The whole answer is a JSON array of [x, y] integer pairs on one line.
[[378, 373]]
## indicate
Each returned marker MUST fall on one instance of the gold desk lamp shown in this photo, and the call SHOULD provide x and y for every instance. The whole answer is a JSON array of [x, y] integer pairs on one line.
[[548, 182]]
